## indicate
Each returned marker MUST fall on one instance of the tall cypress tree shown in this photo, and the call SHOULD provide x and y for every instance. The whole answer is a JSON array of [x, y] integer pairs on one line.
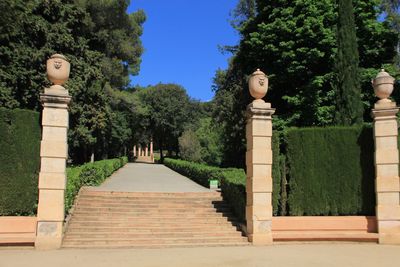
[[349, 107]]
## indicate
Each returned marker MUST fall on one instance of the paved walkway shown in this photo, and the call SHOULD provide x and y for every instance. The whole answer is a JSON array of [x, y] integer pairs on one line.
[[309, 255], [142, 177]]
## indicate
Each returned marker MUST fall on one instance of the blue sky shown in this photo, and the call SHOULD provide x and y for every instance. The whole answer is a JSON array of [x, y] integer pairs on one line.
[[181, 39]]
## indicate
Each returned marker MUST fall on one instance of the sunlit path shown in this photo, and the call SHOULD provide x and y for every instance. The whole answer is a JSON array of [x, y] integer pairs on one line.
[[141, 177]]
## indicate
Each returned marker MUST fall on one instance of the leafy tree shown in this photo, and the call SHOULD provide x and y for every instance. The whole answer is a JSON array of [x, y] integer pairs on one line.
[[211, 142], [294, 42], [116, 35], [167, 113], [391, 8], [349, 109], [102, 43], [189, 147]]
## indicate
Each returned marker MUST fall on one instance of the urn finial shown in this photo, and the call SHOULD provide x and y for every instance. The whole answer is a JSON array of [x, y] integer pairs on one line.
[[383, 86], [58, 73], [258, 85]]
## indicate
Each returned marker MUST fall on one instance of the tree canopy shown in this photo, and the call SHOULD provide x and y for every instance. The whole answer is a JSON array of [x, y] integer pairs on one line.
[[295, 44], [102, 43]]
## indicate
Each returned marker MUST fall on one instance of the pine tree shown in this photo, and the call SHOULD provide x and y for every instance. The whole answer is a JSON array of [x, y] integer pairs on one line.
[[349, 107]]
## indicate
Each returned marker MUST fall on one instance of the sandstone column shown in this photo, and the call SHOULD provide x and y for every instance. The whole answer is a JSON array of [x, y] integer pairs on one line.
[[53, 153], [386, 161], [146, 153], [134, 151], [259, 163], [151, 151]]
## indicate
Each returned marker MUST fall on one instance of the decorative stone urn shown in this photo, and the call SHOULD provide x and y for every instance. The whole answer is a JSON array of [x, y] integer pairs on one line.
[[383, 86], [57, 72], [258, 85]]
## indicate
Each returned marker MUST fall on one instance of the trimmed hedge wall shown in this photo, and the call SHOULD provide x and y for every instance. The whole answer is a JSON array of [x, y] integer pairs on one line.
[[89, 174], [20, 134], [331, 171], [232, 180]]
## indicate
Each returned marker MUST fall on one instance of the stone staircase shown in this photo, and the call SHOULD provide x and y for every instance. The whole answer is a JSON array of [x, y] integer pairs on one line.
[[151, 220]]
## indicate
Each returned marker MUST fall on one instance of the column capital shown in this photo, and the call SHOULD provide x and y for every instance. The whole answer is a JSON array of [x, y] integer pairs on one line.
[[48, 99], [258, 109], [387, 110]]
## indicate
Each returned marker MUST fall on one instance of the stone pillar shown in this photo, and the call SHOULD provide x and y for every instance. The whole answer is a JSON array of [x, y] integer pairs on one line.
[[259, 163], [387, 183], [146, 151], [53, 153], [259, 172], [134, 151], [151, 151], [140, 150]]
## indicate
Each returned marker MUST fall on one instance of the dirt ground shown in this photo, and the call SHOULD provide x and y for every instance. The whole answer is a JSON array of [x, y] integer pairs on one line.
[[276, 255]]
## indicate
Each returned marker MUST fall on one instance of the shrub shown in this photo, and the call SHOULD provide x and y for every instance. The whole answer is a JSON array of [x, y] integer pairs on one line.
[[331, 171], [200, 173], [233, 188], [20, 134], [189, 146], [89, 174], [232, 180]]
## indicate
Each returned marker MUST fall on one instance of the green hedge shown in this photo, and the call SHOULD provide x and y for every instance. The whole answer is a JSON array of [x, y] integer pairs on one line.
[[331, 171], [20, 134], [200, 173], [89, 174], [232, 180]]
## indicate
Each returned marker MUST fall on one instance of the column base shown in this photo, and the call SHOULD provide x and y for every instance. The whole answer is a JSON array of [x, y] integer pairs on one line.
[[261, 239], [49, 235], [389, 239], [48, 243]]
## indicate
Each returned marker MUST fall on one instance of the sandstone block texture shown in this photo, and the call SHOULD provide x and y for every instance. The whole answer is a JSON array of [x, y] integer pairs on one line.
[[259, 174], [52, 176], [387, 172]]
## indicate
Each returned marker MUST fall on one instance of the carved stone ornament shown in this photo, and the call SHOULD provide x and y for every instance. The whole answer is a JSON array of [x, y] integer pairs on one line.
[[258, 84], [383, 86], [58, 69]]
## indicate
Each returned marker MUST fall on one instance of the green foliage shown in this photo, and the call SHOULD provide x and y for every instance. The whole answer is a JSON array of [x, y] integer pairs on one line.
[[276, 173], [189, 146], [331, 171], [20, 135], [164, 113], [202, 142], [102, 43], [89, 174], [200, 173], [211, 141], [391, 9], [349, 109], [233, 188], [232, 180], [294, 43]]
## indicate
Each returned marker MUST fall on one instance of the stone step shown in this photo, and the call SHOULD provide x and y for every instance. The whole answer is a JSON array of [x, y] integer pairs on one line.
[[116, 245], [174, 195], [155, 202], [151, 204], [135, 213], [139, 235], [122, 210], [151, 229], [355, 236], [141, 218], [125, 219], [149, 224], [155, 240]]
